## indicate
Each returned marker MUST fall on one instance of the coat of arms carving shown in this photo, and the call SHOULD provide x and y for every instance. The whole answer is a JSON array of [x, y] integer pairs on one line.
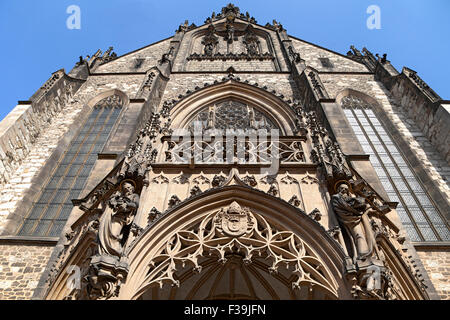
[[234, 221]]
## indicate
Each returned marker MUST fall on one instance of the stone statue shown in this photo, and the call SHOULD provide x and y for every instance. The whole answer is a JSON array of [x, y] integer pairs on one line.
[[350, 210], [251, 115], [252, 48], [210, 41], [211, 118], [209, 49], [119, 214], [230, 33]]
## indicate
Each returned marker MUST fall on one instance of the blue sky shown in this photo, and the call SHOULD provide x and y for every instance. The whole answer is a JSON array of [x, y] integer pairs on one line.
[[36, 41]]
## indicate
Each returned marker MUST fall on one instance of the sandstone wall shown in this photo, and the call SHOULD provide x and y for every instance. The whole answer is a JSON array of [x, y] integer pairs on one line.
[[179, 83], [422, 105], [21, 178], [186, 48], [21, 265], [437, 263], [311, 55], [20, 269], [127, 63]]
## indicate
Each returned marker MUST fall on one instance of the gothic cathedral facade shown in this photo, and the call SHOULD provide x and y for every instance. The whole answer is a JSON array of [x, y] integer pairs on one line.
[[229, 161]]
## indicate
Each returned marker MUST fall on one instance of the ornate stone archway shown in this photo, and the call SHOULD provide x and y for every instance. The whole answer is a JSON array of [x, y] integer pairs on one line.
[[233, 244], [232, 238]]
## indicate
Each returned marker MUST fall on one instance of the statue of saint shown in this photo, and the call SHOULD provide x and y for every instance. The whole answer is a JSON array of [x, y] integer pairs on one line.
[[119, 214], [209, 49], [230, 33], [350, 210], [252, 48]]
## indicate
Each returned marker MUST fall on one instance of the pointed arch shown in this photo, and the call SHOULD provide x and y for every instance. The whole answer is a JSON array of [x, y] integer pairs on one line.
[[391, 158], [105, 94], [272, 106], [361, 95], [280, 231]]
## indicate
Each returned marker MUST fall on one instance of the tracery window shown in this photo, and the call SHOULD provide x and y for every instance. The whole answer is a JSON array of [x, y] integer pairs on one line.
[[53, 205], [420, 217], [233, 115]]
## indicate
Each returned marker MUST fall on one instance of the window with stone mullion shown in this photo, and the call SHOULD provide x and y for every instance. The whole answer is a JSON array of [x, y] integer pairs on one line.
[[53, 206], [418, 214], [381, 170]]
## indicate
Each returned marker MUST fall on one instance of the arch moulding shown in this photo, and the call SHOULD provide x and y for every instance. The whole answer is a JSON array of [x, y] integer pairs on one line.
[[201, 231], [272, 106]]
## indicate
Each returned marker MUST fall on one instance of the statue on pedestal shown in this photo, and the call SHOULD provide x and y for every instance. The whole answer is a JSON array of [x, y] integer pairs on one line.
[[119, 214], [350, 210]]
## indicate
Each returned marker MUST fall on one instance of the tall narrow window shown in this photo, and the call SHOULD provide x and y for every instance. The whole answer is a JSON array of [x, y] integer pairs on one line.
[[53, 205], [420, 217]]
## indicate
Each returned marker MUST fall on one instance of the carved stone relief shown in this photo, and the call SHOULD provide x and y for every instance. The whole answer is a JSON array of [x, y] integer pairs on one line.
[[119, 214], [236, 229]]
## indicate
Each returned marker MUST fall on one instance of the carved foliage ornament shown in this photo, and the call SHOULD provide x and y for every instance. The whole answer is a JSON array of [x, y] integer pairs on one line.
[[141, 154], [238, 230]]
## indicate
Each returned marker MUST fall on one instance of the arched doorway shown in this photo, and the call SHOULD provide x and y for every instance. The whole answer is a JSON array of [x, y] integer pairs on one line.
[[235, 243]]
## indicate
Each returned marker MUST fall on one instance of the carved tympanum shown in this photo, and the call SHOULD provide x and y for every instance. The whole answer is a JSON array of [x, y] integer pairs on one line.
[[237, 230]]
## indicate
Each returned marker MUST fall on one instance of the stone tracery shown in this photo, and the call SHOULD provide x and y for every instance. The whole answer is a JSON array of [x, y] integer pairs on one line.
[[237, 230]]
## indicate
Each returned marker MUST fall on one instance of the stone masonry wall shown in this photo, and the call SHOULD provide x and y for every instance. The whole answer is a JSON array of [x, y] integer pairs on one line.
[[180, 83], [437, 264], [21, 265], [17, 135], [12, 192], [20, 128], [238, 65], [20, 269], [186, 48], [431, 117], [127, 63], [311, 55], [437, 261]]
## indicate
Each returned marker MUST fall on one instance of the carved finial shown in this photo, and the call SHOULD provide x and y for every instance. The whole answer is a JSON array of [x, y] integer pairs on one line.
[[234, 208]]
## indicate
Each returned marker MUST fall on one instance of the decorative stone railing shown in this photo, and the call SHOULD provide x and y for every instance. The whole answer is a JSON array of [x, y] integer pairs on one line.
[[223, 150], [231, 56]]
